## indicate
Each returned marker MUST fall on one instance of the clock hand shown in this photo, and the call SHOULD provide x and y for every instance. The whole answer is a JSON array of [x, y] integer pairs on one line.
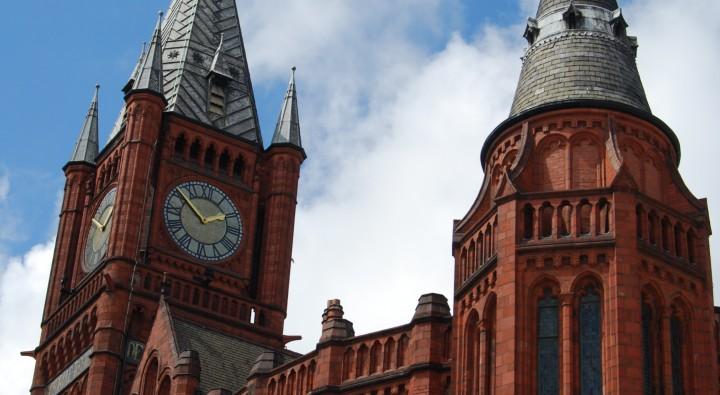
[[110, 213], [214, 218], [192, 207], [97, 224]]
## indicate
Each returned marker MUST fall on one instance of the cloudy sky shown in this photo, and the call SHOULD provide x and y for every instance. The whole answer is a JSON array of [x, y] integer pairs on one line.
[[396, 99]]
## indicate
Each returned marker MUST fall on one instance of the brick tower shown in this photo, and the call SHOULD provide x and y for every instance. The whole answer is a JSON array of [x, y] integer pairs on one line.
[[180, 228], [583, 267]]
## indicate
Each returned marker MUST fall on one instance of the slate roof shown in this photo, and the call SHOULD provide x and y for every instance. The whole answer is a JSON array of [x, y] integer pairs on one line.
[[225, 361], [87, 147], [191, 36], [594, 60], [287, 130], [551, 5]]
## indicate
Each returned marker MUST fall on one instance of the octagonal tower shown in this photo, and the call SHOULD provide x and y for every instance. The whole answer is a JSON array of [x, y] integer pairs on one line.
[[583, 266]]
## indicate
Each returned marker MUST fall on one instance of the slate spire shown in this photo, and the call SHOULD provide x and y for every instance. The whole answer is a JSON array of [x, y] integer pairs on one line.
[[150, 74], [136, 71], [287, 130], [579, 54], [87, 147]]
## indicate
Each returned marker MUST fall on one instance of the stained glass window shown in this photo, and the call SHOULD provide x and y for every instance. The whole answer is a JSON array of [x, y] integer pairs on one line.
[[590, 344], [676, 350], [548, 375]]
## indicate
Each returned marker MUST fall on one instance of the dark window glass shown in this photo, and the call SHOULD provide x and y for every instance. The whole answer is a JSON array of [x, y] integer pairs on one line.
[[590, 344], [547, 213], [648, 363], [676, 350], [529, 214], [548, 374]]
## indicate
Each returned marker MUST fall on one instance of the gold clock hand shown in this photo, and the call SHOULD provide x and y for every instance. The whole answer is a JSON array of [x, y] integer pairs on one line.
[[97, 224], [192, 207], [214, 218], [110, 213]]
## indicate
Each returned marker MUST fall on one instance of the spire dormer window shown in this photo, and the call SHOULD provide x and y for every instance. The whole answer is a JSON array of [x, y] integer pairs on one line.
[[572, 17], [531, 31]]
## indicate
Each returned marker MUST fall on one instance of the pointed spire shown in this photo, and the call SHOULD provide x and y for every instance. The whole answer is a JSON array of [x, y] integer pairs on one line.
[[86, 148], [150, 76], [218, 63], [136, 71], [287, 130]]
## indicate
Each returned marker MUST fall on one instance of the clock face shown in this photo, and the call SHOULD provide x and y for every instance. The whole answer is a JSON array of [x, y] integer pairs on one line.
[[97, 240], [203, 221]]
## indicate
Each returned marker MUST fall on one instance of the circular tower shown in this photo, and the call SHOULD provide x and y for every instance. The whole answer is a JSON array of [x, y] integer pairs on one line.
[[583, 266]]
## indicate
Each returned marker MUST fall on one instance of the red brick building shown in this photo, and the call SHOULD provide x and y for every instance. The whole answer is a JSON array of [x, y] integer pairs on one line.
[[583, 266]]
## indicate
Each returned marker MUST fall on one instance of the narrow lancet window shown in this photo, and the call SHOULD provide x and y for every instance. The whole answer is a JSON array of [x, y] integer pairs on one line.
[[548, 373], [590, 342]]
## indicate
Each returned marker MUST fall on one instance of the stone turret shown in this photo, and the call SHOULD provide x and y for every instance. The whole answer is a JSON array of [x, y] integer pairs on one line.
[[334, 326]]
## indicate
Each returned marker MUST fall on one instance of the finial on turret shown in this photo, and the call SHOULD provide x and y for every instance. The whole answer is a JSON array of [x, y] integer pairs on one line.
[[287, 130], [150, 75], [87, 147]]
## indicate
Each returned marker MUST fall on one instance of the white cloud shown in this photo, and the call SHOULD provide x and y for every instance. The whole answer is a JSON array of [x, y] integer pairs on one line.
[[4, 186], [23, 282]]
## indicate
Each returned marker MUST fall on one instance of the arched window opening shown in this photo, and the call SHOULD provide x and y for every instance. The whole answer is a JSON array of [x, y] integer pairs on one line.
[[238, 168], [651, 347], [546, 214], [590, 342], [195, 149], [375, 358], [490, 319], [677, 353], [164, 386], [301, 383], [180, 144], [548, 346], [564, 220], [604, 217], [311, 376], [224, 162], [471, 353], [402, 350], [480, 249], [584, 222], [652, 228], [665, 234], [360, 363], [528, 222], [291, 383], [388, 354], [210, 155], [271, 387], [678, 241], [252, 315], [150, 380], [281, 385], [348, 360], [463, 264], [691, 246], [489, 247], [472, 259], [640, 222]]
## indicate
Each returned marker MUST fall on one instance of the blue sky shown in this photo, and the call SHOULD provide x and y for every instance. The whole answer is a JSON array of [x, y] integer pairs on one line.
[[57, 51]]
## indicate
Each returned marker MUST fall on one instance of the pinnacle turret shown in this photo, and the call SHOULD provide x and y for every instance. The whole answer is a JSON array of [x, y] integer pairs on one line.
[[136, 71], [87, 147], [150, 74], [287, 130]]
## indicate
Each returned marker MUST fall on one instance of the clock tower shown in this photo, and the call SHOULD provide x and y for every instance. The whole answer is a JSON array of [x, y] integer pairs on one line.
[[185, 210]]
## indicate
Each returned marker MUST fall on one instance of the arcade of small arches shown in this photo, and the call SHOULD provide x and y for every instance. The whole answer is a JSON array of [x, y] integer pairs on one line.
[[207, 155], [666, 233], [479, 250], [298, 381], [568, 219], [70, 344], [361, 361]]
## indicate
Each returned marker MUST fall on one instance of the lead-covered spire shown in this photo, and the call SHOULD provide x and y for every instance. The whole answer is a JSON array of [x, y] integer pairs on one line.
[[579, 53], [150, 75], [87, 147], [136, 71], [287, 130]]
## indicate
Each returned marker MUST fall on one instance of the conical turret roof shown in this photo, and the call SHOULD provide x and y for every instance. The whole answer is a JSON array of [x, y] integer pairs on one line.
[[150, 74], [578, 52], [87, 146], [547, 6], [287, 130]]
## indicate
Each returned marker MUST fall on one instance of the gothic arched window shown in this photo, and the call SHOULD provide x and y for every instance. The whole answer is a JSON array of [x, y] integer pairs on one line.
[[590, 340], [640, 222], [603, 217], [490, 319], [651, 344], [548, 366], [546, 214], [471, 353], [677, 353], [180, 146], [151, 373], [584, 218], [528, 222], [564, 219]]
